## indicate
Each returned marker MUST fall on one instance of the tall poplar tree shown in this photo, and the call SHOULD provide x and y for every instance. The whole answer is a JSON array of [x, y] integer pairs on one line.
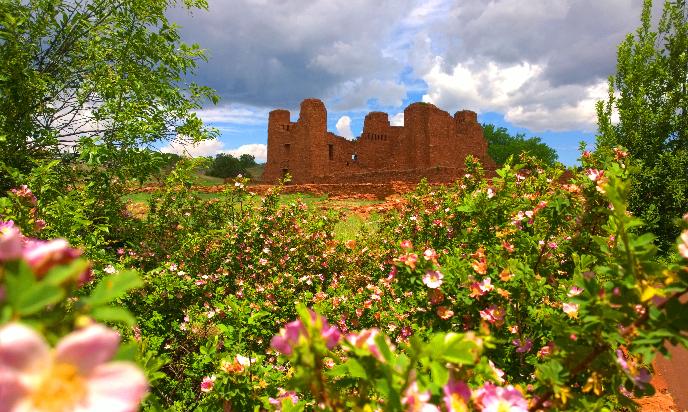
[[650, 95]]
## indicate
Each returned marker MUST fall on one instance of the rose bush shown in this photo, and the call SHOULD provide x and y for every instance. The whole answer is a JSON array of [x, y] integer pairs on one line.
[[533, 289]]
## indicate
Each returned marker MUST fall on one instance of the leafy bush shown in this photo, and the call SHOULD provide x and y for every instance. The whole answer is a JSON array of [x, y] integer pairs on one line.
[[501, 146]]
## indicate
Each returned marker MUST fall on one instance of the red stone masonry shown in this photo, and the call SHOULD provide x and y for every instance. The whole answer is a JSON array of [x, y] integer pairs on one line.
[[432, 144]]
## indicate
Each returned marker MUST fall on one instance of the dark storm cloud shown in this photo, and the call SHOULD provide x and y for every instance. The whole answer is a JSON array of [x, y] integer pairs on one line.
[[575, 39], [275, 53]]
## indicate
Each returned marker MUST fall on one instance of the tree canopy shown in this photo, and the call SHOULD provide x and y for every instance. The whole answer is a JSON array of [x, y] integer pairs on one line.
[[225, 165], [501, 145], [79, 75], [650, 95]]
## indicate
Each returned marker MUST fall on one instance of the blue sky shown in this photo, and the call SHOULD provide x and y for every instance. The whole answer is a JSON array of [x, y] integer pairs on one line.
[[535, 66]]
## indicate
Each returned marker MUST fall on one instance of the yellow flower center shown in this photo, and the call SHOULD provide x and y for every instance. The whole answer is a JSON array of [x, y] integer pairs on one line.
[[60, 390]]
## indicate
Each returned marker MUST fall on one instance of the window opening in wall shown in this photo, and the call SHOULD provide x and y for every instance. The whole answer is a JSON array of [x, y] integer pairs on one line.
[[354, 157], [330, 151], [286, 148]]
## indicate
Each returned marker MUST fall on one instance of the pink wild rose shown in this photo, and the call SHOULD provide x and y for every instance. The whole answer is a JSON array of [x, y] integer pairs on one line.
[[494, 398], [433, 279], [75, 376]]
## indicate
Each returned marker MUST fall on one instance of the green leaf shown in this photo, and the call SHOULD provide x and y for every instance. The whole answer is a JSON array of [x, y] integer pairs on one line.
[[551, 372], [113, 314], [38, 297], [113, 287], [59, 274], [356, 370], [382, 345], [440, 374], [458, 351]]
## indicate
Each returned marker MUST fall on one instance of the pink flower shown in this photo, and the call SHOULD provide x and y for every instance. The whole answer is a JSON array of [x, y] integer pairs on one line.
[[208, 383], [523, 346], [456, 396], [365, 339], [42, 255], [493, 398], [480, 289], [288, 337], [433, 279], [435, 296], [75, 376], [11, 242], [281, 397], [498, 373], [444, 312], [25, 193], [494, 315], [570, 309], [594, 174], [683, 246], [574, 291], [293, 331], [417, 401], [546, 350], [430, 254], [406, 244]]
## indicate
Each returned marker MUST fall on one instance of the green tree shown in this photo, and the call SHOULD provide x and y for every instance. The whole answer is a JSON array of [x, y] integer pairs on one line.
[[225, 165], [102, 78], [650, 95], [501, 145]]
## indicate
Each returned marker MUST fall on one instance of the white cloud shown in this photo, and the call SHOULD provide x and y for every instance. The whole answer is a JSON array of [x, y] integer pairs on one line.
[[204, 148], [214, 147], [397, 119], [236, 114], [259, 151], [476, 87], [344, 127], [518, 91]]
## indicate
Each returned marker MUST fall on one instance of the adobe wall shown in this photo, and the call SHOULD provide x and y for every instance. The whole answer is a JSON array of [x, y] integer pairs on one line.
[[431, 144]]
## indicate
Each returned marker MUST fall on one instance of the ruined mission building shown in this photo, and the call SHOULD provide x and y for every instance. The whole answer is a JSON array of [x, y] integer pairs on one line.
[[431, 144]]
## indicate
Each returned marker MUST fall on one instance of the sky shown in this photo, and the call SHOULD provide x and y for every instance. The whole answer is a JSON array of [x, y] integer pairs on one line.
[[533, 66]]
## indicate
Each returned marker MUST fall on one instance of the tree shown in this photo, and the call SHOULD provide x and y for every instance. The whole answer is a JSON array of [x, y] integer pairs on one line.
[[650, 94], [501, 145], [225, 165], [98, 75]]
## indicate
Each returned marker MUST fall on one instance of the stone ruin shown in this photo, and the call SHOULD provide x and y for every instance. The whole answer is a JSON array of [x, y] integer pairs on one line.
[[432, 144]]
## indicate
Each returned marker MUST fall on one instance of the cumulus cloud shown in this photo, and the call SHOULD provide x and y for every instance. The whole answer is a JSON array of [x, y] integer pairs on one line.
[[397, 119], [259, 151], [542, 63], [214, 147], [538, 62], [274, 54], [344, 127]]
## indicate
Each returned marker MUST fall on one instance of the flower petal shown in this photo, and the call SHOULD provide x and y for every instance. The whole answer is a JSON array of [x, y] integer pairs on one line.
[[87, 348], [115, 387], [22, 349], [11, 390]]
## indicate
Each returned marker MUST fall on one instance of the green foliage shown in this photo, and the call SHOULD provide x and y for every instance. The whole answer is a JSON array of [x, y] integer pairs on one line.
[[501, 145], [78, 73], [650, 95], [225, 165]]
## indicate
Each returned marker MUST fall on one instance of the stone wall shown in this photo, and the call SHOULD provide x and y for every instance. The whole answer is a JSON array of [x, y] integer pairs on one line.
[[431, 144]]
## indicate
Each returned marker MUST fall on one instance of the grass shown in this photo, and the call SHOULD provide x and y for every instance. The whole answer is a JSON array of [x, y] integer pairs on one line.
[[348, 228], [354, 224]]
